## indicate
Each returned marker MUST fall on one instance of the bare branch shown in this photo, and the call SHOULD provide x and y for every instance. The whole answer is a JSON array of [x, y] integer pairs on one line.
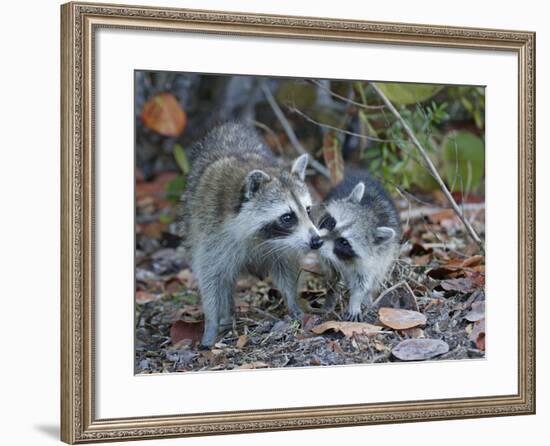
[[337, 129], [290, 132], [426, 211], [471, 231]]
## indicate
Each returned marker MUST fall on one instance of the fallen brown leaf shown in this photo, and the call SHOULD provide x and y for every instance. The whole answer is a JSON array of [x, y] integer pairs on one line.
[[479, 269], [419, 349], [473, 261], [315, 361], [348, 329], [463, 285], [172, 285], [254, 365], [444, 271], [458, 268], [477, 312], [477, 278], [146, 204], [335, 347], [142, 297], [400, 319], [242, 341], [152, 230], [478, 334], [187, 278], [414, 332]]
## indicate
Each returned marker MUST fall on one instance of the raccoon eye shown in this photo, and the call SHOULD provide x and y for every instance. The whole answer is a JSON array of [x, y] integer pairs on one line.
[[343, 249], [327, 222], [288, 219], [308, 210], [343, 242]]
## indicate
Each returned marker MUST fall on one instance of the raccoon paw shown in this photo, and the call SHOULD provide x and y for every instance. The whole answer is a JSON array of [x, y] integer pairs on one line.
[[353, 317]]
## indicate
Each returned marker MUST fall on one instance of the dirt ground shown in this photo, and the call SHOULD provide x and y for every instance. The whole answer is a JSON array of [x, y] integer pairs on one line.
[[431, 308]]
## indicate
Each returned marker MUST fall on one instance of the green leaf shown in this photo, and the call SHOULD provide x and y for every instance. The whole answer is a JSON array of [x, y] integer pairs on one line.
[[302, 95], [166, 218], [175, 188], [419, 175], [463, 160], [406, 94], [181, 159]]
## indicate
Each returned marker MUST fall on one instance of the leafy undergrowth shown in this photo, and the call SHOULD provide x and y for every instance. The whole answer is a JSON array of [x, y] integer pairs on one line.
[[432, 306]]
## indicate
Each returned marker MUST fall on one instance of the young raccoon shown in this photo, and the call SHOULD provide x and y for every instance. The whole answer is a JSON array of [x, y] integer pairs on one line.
[[244, 212], [360, 227]]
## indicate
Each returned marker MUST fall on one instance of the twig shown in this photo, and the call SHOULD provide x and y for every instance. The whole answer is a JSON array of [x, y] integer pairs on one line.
[[266, 314], [413, 214], [471, 231], [337, 129], [290, 133]]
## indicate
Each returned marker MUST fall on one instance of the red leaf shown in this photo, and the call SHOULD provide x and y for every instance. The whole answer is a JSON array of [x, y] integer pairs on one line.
[[155, 188], [164, 115], [181, 330]]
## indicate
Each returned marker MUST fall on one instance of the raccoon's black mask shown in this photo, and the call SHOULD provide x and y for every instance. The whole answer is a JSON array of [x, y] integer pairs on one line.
[[342, 246], [281, 227]]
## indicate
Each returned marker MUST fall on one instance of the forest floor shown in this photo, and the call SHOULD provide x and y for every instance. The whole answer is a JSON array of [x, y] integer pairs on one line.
[[431, 308]]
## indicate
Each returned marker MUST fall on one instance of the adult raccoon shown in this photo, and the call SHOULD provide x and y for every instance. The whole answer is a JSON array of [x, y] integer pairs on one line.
[[361, 230], [244, 212]]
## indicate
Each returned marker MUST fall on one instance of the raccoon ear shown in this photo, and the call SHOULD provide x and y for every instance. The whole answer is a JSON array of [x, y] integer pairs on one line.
[[357, 193], [384, 234], [299, 166], [253, 182]]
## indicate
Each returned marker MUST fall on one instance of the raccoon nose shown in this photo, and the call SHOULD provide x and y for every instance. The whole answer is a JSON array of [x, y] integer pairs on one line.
[[316, 242]]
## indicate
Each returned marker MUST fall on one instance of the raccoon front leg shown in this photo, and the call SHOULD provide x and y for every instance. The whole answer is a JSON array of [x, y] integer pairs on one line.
[[353, 313], [285, 278], [359, 294], [216, 288]]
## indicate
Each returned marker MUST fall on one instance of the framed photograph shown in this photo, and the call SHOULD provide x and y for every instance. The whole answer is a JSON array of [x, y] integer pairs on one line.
[[275, 222]]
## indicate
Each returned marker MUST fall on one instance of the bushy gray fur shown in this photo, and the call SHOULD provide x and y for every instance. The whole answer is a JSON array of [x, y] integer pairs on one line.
[[236, 193], [365, 216]]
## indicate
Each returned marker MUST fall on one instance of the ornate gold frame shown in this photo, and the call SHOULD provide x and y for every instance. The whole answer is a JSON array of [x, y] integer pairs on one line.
[[79, 21]]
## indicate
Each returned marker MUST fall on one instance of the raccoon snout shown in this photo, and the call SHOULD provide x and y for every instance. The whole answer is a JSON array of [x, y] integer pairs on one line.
[[316, 242]]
